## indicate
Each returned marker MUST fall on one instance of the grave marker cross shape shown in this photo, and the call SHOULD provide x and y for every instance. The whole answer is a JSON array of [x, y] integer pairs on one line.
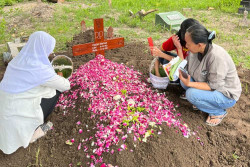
[[100, 44]]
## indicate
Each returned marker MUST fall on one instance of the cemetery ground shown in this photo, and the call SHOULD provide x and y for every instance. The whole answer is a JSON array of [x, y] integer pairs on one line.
[[225, 145]]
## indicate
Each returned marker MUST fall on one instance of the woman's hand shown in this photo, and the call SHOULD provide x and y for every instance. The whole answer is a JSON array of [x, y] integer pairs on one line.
[[60, 73], [186, 81], [156, 51], [176, 42]]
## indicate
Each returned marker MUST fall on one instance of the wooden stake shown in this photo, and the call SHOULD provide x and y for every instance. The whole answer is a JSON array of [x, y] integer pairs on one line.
[[110, 3]]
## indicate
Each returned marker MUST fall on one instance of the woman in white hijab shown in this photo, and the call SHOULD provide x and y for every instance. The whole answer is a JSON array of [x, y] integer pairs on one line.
[[28, 93]]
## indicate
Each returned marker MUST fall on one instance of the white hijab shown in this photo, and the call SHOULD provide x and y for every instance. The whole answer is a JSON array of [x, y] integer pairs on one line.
[[31, 67]]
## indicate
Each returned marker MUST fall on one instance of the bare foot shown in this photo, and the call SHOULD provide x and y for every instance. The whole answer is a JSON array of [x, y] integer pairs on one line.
[[37, 134], [215, 120]]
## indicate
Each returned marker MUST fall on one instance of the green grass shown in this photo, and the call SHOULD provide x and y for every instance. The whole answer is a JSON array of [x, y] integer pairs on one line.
[[235, 156], [2, 29], [163, 6], [66, 21], [240, 58]]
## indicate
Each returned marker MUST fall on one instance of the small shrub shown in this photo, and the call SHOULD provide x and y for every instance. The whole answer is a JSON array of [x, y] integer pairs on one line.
[[9, 2]]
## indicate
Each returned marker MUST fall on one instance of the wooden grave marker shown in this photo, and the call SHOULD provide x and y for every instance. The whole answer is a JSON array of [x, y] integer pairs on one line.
[[100, 44]]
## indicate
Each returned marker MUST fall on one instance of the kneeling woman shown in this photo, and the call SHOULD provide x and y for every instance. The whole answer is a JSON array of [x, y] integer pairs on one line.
[[28, 94], [213, 84]]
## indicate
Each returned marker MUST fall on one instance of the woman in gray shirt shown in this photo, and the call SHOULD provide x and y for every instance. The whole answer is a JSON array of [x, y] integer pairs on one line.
[[213, 84]]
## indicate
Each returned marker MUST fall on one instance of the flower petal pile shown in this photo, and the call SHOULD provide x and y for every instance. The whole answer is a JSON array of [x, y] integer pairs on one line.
[[121, 103]]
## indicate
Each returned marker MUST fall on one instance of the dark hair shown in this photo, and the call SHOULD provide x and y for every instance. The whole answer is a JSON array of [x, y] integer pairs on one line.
[[184, 26], [199, 34]]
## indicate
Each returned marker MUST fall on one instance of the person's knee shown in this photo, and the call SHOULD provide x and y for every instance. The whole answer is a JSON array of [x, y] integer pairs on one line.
[[192, 94]]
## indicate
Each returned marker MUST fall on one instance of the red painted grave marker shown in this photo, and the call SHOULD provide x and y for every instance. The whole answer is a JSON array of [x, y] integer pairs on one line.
[[151, 44], [100, 44]]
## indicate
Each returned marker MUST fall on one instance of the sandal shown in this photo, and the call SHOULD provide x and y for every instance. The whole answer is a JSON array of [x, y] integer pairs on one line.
[[220, 117], [41, 131], [195, 108], [183, 96], [46, 127]]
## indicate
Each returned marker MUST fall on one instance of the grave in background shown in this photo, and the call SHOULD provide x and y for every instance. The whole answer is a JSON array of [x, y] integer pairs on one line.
[[246, 6], [170, 20], [14, 48]]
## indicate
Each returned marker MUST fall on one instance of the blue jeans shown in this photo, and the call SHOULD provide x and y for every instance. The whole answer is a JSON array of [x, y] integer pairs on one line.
[[164, 61], [212, 102]]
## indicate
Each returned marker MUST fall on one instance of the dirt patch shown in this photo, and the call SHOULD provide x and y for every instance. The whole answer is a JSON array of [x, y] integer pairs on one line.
[[225, 145], [31, 5], [22, 15]]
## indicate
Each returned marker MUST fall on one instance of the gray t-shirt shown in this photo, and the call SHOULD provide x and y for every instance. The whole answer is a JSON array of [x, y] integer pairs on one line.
[[217, 69]]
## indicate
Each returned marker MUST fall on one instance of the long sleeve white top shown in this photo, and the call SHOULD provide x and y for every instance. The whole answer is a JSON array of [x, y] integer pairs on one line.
[[21, 113]]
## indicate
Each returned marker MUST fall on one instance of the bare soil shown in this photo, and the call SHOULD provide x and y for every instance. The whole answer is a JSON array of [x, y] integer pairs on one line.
[[231, 137]]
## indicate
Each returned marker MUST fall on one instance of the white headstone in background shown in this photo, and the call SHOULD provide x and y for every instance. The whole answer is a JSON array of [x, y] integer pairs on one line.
[[244, 22], [14, 47]]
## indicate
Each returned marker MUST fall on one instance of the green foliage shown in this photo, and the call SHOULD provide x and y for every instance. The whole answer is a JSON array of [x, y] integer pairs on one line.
[[235, 157], [62, 61], [161, 71], [2, 30], [66, 72], [2, 3], [9, 2], [229, 5], [140, 109], [240, 58], [37, 156], [134, 109], [124, 92]]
